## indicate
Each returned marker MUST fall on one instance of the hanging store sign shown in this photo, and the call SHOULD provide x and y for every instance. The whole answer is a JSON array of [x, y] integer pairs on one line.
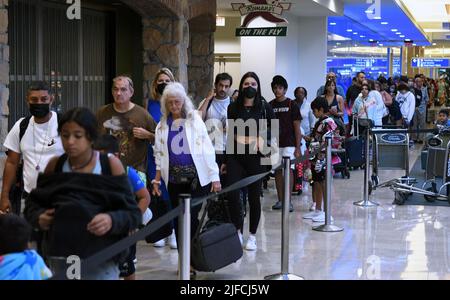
[[430, 63], [268, 10]]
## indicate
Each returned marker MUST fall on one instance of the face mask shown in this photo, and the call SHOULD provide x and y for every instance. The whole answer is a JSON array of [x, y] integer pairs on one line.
[[249, 92], [161, 87], [39, 110]]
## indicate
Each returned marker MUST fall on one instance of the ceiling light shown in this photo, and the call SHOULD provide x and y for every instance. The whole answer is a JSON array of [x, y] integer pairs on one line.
[[371, 12], [394, 30], [414, 44], [349, 30], [377, 18], [434, 44], [398, 33], [407, 40], [402, 36], [220, 21], [384, 23], [333, 23], [381, 44], [355, 33], [362, 36]]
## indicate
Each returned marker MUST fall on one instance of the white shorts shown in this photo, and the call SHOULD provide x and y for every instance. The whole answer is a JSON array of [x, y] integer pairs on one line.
[[288, 152]]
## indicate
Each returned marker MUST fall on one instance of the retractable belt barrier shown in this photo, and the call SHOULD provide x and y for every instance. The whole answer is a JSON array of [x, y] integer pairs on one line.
[[109, 252]]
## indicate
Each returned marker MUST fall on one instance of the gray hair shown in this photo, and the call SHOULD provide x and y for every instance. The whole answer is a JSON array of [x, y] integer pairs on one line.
[[125, 78], [177, 90]]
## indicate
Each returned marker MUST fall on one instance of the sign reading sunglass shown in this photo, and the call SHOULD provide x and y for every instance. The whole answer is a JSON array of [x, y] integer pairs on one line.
[[268, 10]]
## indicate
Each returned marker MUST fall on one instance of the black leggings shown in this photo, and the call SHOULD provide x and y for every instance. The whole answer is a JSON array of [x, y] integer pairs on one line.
[[239, 167], [175, 190]]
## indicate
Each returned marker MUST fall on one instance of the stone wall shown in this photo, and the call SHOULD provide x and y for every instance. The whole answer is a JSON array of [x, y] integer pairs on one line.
[[165, 43], [201, 64]]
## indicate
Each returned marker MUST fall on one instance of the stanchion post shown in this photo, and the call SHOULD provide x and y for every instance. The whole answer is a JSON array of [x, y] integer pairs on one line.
[[284, 275], [184, 229], [328, 227], [366, 202]]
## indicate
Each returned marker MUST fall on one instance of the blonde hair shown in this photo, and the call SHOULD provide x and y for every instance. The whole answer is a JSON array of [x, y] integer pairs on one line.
[[154, 88], [177, 90]]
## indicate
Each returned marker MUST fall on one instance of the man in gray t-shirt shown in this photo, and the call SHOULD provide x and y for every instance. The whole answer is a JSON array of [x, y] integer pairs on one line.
[[214, 112]]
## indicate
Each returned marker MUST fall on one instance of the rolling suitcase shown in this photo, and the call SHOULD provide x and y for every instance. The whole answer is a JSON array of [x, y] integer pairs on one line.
[[354, 147]]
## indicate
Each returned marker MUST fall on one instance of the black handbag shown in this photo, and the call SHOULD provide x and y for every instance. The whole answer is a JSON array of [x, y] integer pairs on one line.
[[215, 245], [159, 208]]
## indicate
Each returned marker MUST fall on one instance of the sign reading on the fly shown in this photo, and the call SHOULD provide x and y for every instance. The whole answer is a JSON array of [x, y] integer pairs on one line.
[[430, 63], [269, 10], [265, 31]]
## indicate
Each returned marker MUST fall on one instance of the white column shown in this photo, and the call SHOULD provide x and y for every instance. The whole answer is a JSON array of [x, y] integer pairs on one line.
[[258, 54], [312, 53], [300, 57]]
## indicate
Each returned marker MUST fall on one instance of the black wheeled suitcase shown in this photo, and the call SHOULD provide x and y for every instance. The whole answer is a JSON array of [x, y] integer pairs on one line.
[[215, 245]]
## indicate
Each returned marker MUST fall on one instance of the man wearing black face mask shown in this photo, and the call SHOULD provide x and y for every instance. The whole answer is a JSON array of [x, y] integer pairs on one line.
[[34, 138]]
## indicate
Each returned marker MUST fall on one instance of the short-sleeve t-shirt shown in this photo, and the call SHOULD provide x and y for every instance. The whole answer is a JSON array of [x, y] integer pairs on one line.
[[286, 112], [132, 151], [135, 180], [39, 144]]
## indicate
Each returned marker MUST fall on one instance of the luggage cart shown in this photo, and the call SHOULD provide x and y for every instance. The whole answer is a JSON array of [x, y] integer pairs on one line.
[[390, 147], [437, 167]]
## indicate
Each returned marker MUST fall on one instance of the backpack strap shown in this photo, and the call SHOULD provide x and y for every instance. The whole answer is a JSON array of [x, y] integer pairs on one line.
[[23, 127], [106, 166], [60, 163]]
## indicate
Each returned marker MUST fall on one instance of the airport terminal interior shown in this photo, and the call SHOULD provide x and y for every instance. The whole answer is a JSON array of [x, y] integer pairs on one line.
[[387, 216]]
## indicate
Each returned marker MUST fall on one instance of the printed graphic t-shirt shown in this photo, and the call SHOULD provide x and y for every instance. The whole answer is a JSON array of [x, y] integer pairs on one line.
[[286, 112], [132, 151]]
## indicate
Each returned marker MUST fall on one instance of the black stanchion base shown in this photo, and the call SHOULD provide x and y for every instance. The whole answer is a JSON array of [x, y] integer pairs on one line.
[[284, 276]]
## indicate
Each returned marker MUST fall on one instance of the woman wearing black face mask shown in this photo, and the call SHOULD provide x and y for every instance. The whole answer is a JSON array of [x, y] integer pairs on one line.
[[163, 77], [244, 149]]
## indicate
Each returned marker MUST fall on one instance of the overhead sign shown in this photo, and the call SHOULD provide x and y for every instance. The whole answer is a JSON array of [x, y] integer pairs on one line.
[[430, 62], [269, 10], [266, 31]]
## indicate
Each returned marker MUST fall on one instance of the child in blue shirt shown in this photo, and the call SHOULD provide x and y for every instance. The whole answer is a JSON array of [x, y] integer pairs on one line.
[[17, 261]]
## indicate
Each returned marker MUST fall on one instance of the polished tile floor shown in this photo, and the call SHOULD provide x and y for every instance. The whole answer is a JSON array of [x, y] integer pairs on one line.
[[385, 242]]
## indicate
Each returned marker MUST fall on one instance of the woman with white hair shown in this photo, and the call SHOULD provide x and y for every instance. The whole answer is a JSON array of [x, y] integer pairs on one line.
[[184, 155]]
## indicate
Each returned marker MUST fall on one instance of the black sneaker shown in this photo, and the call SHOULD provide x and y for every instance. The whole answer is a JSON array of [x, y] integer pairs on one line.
[[277, 205]]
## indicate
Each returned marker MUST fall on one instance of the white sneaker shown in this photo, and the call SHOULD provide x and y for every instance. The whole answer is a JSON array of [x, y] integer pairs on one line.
[[311, 215], [241, 239], [251, 243], [313, 207], [172, 240], [160, 243], [320, 218]]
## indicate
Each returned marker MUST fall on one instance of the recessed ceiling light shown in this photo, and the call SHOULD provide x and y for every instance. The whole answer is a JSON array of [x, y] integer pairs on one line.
[[371, 40], [369, 11], [380, 44], [355, 33], [332, 23], [384, 23], [407, 40], [398, 33], [394, 30], [349, 30], [402, 36], [434, 44], [377, 18], [362, 36]]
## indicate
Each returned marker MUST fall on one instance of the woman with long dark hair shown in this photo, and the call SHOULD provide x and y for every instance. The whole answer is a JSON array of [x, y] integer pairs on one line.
[[248, 145]]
